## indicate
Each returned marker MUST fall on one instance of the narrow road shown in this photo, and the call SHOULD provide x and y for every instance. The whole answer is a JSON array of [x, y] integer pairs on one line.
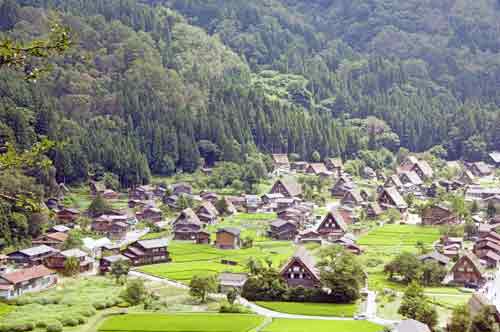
[[370, 310]]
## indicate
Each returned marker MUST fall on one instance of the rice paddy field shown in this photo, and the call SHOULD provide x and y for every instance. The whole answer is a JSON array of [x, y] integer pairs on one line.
[[181, 323], [394, 239], [301, 325], [312, 309], [190, 259]]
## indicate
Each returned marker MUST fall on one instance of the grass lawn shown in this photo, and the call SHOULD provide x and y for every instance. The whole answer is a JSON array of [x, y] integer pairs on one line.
[[181, 323], [301, 325], [190, 259], [312, 309]]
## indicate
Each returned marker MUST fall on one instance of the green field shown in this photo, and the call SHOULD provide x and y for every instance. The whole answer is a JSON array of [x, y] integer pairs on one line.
[[302, 325], [72, 298], [393, 239], [190, 259], [312, 309], [181, 323], [5, 309], [254, 225], [384, 243]]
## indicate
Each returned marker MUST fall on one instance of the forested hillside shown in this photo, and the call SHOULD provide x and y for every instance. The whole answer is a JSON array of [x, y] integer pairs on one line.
[[150, 87]]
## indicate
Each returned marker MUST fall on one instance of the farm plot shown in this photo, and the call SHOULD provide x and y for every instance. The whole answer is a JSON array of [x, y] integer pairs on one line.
[[393, 239], [312, 309], [253, 225], [181, 323], [190, 259], [301, 325]]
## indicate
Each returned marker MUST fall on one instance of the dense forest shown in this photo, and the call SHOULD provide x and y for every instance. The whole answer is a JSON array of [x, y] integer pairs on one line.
[[155, 87]]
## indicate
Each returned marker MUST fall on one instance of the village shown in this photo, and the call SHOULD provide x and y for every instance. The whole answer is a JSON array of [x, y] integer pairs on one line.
[[424, 222]]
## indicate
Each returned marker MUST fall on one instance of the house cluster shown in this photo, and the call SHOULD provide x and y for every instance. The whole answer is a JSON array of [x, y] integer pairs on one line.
[[330, 167], [36, 268]]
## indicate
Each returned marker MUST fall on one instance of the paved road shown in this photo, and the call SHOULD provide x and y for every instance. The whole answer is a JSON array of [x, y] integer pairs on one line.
[[370, 310]]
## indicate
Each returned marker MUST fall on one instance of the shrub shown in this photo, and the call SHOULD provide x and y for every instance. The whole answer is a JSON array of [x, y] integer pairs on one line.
[[22, 301], [70, 322], [81, 320], [232, 309], [99, 305], [41, 324], [123, 304], [54, 327], [88, 312]]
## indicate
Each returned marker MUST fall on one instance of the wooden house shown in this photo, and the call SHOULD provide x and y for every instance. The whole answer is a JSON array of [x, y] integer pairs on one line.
[[271, 199], [391, 198], [435, 257], [341, 187], [467, 271], [373, 210], [318, 169], [97, 187], [209, 196], [106, 262], [467, 177], [368, 173], [228, 238], [150, 213], [332, 225], [135, 203], [479, 169], [283, 230], [288, 187], [482, 247], [188, 227], [349, 244], [32, 279], [54, 240], [354, 198], [299, 166], [310, 236], [231, 281], [252, 203], [141, 193], [495, 158], [182, 188], [67, 215], [393, 181], [280, 161], [285, 203], [58, 260], [207, 213], [410, 178], [31, 256], [110, 225], [439, 215], [478, 301], [423, 169], [334, 165], [110, 194], [301, 270], [145, 252]]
